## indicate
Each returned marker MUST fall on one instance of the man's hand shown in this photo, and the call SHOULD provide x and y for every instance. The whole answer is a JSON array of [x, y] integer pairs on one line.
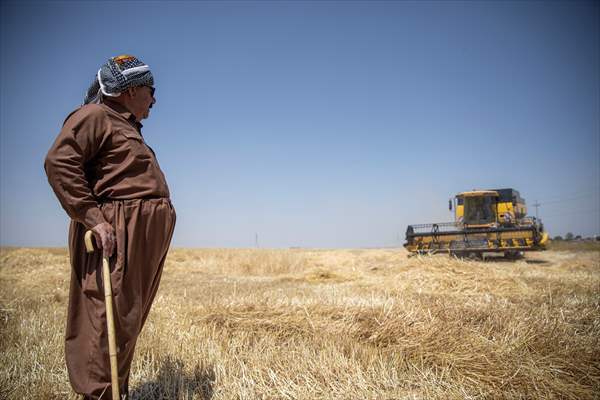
[[105, 238]]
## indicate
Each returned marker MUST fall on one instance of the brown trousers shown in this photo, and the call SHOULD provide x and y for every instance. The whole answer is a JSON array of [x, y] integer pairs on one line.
[[144, 228]]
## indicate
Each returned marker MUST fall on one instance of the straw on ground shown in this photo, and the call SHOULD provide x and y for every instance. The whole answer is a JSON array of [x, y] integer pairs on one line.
[[327, 324]]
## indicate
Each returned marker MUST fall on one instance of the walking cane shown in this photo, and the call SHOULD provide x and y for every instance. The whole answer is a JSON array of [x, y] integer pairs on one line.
[[110, 321]]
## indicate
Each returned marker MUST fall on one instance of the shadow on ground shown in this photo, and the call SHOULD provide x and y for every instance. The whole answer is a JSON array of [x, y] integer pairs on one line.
[[173, 383], [512, 260], [534, 261]]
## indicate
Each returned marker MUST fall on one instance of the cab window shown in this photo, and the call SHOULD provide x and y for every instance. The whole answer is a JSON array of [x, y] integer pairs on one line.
[[480, 210]]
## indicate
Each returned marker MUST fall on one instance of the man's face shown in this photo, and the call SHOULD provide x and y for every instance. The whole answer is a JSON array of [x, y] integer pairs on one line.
[[141, 99]]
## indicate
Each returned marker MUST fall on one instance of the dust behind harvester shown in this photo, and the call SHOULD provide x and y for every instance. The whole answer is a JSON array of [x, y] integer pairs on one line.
[[484, 221]]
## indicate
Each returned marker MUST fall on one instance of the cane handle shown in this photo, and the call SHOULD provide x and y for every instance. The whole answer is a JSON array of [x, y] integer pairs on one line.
[[89, 245]]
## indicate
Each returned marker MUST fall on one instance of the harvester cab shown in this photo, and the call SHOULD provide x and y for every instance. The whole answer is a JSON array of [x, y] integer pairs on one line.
[[478, 209], [484, 221]]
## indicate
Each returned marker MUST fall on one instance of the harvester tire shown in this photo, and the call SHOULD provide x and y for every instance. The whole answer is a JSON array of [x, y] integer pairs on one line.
[[513, 255]]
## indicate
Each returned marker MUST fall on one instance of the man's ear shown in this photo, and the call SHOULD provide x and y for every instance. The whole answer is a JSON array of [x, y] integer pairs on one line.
[[131, 92]]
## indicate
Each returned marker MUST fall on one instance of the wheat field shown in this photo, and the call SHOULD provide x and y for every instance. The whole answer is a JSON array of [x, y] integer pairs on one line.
[[327, 324]]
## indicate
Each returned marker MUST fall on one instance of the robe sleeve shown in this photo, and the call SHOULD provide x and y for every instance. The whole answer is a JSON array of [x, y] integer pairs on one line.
[[79, 141]]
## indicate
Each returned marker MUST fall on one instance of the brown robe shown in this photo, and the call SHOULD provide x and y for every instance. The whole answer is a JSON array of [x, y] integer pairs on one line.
[[102, 170]]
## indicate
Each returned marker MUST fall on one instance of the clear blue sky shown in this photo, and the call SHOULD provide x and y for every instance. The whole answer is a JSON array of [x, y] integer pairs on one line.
[[321, 124]]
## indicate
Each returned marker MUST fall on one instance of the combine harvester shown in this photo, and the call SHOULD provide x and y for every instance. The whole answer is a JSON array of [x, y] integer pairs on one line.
[[485, 221]]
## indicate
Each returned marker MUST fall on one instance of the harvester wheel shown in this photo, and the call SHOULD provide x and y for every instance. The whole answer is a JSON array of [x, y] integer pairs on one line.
[[513, 255], [457, 254], [468, 255]]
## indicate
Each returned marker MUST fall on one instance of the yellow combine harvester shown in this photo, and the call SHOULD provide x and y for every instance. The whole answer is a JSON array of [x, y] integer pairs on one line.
[[484, 221]]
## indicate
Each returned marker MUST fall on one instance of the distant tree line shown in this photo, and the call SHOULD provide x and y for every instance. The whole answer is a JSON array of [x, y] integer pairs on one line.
[[570, 236]]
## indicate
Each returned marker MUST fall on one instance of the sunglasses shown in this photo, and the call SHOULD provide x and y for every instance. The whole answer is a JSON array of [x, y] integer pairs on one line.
[[152, 90]]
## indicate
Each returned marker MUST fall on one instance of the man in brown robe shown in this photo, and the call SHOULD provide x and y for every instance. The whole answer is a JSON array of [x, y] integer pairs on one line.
[[108, 180]]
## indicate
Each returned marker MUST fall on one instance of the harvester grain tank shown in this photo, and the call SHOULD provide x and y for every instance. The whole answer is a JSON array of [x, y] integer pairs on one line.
[[484, 221]]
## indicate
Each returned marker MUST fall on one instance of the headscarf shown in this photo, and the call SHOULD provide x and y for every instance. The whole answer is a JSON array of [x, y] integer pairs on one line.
[[117, 75]]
